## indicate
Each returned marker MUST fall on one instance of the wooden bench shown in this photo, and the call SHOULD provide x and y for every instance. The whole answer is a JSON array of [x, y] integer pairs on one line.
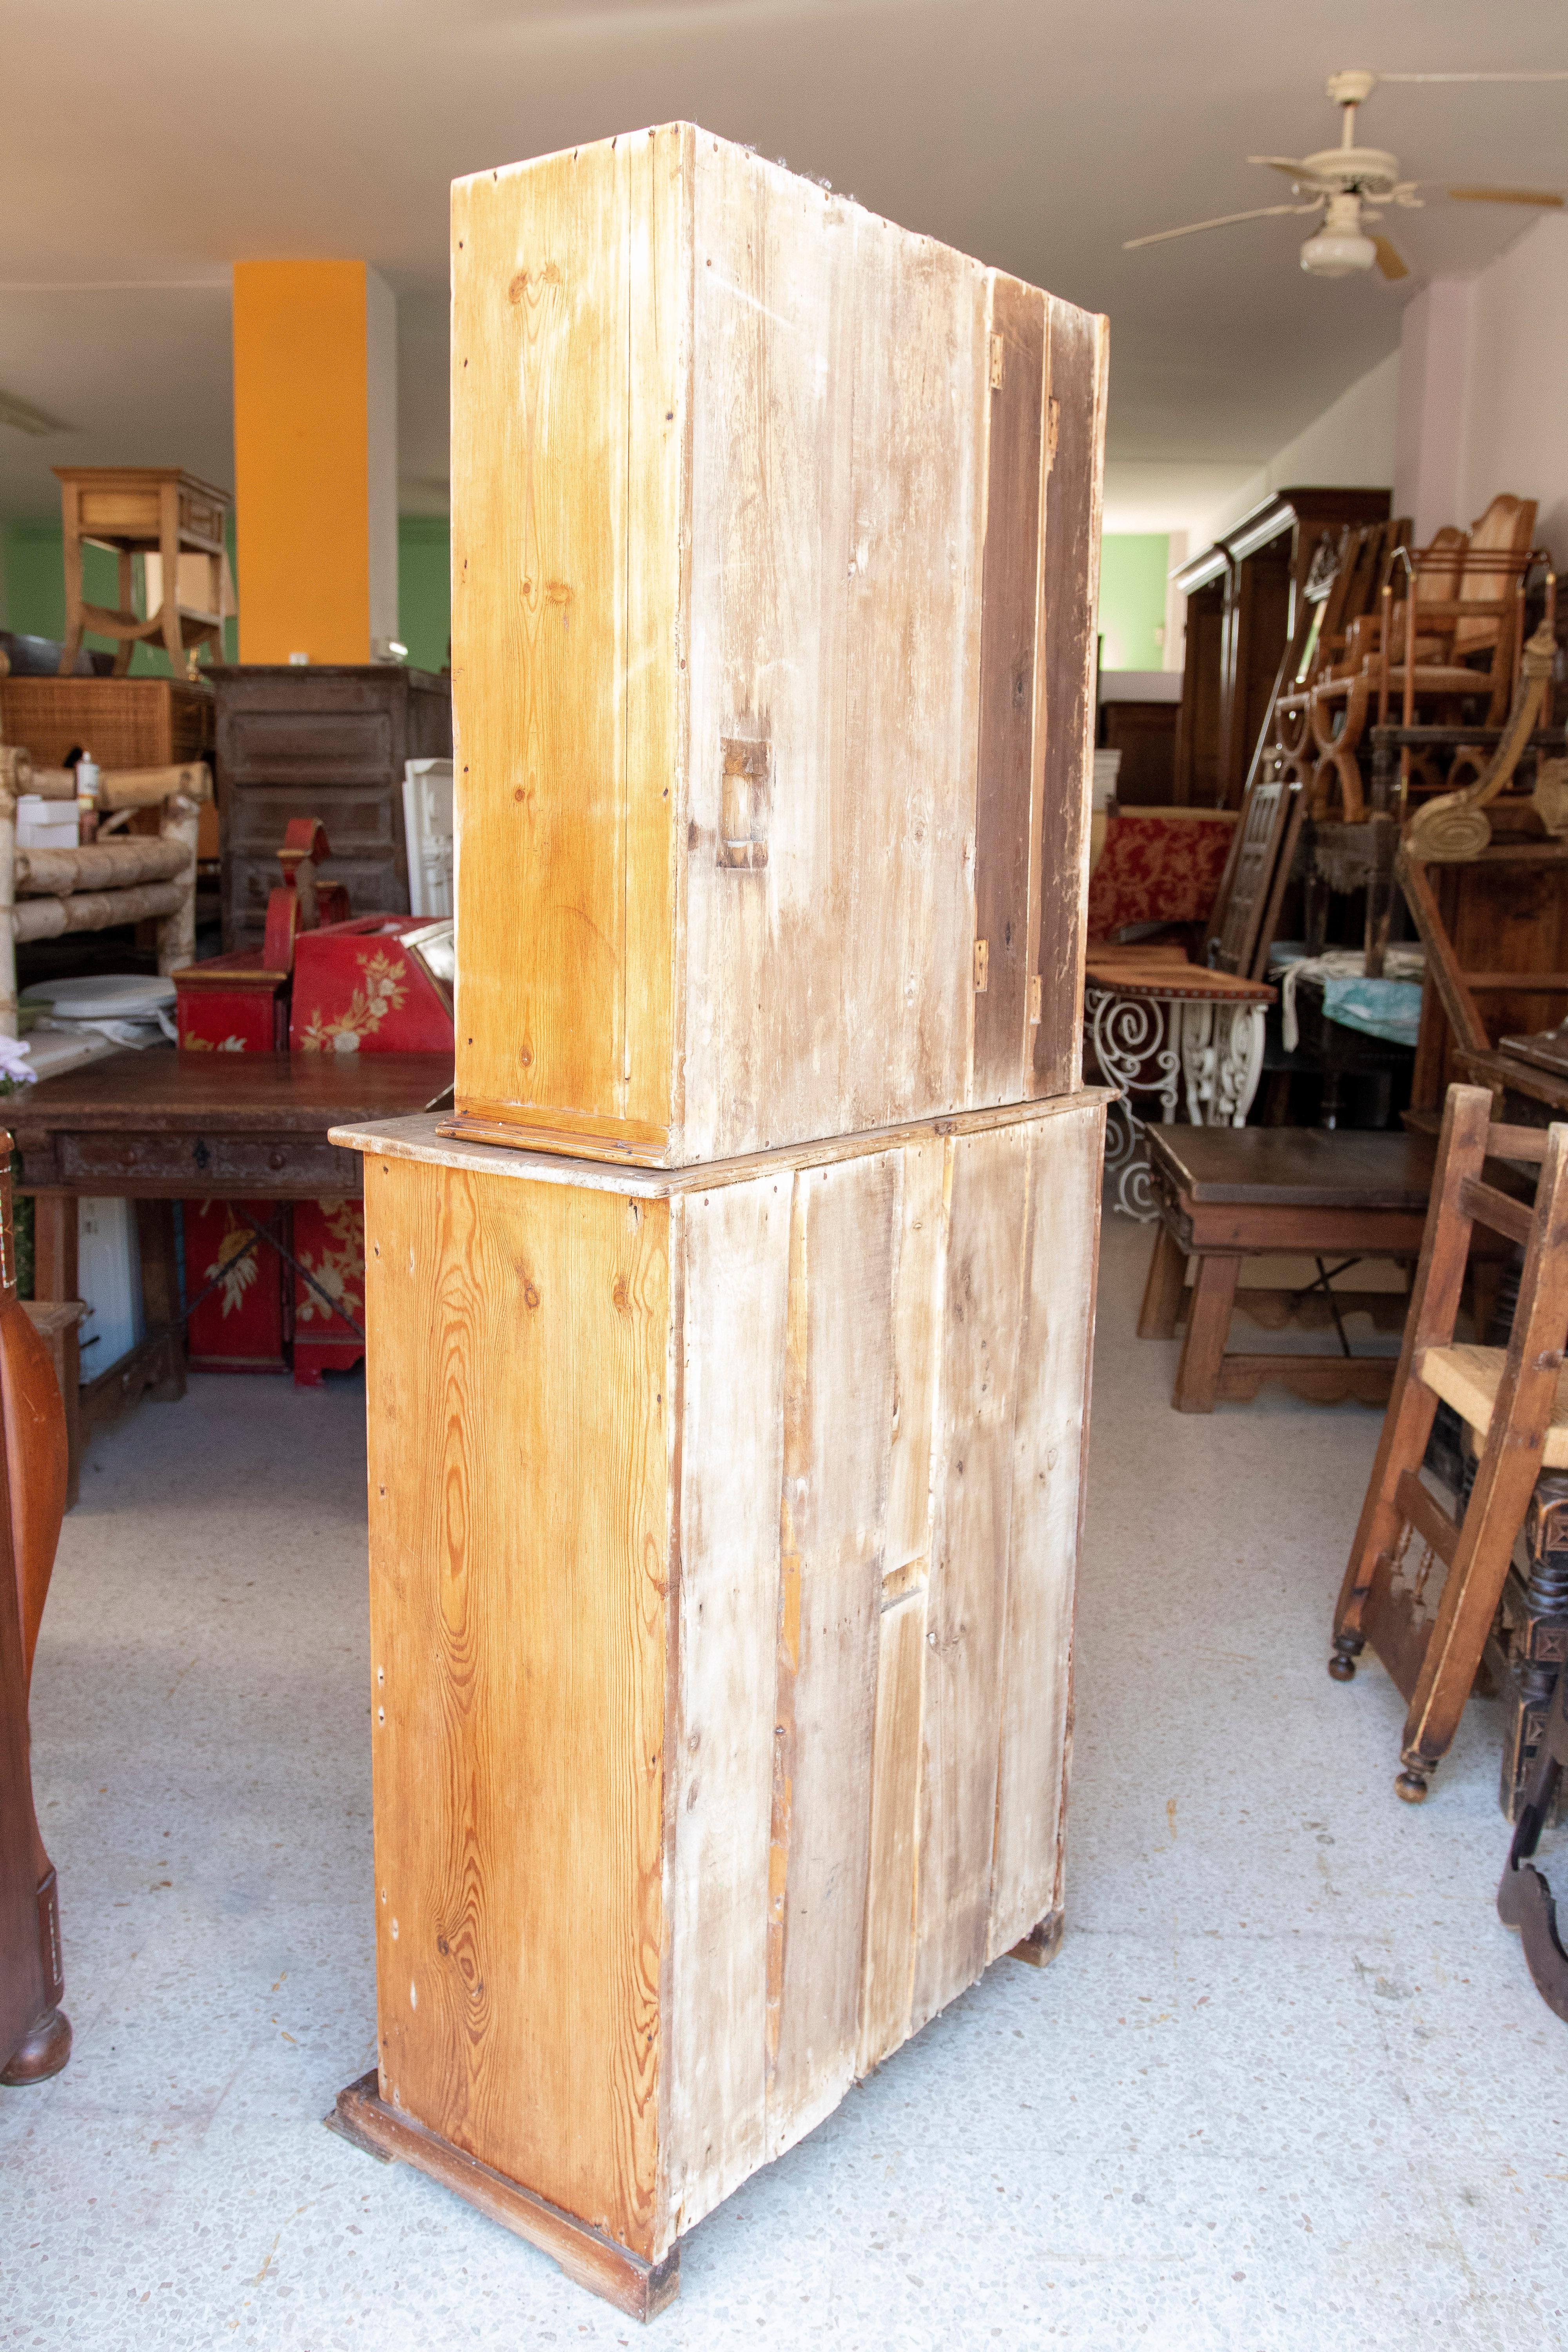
[[1225, 1193]]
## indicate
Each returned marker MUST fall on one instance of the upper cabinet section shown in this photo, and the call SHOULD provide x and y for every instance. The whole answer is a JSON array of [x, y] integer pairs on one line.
[[775, 535]]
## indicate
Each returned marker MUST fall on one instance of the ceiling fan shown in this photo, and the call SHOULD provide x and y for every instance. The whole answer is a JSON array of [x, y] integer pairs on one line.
[[1345, 183]]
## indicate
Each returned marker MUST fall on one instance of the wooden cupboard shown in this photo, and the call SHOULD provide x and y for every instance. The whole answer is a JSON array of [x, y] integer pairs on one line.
[[328, 741], [724, 1525], [775, 541], [1247, 621]]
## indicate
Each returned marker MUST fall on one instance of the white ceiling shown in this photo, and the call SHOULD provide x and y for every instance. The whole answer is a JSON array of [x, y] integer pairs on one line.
[[148, 145]]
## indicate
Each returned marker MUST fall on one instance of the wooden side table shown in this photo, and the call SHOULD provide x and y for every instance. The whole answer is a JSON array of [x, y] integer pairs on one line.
[[142, 511], [1227, 1193]]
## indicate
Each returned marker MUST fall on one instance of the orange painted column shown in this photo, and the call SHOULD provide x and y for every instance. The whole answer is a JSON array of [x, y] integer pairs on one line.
[[315, 460]]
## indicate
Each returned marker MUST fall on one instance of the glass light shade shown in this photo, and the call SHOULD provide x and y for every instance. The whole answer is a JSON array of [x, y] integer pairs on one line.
[[1337, 253]]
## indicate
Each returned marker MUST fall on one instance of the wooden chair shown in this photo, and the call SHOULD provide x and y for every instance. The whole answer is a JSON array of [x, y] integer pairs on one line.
[[35, 2039], [1431, 1640], [1343, 700], [150, 511]]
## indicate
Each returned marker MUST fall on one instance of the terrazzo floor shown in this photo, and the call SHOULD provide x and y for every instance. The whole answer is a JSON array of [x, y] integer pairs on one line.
[[1286, 2084]]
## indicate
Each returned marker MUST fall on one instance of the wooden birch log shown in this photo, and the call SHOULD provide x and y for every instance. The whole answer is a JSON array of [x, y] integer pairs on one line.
[[100, 866], [97, 911]]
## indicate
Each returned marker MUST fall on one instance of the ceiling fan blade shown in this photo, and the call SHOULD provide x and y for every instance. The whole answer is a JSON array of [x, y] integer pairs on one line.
[[1388, 259], [23, 417], [1224, 220], [1548, 197], [1555, 73], [1293, 170]]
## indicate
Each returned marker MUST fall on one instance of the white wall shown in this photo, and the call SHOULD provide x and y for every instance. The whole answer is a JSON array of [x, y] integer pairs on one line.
[[1484, 395], [1350, 446]]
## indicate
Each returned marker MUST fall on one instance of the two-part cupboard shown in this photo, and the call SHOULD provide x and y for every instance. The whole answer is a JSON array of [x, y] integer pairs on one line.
[[728, 1340]]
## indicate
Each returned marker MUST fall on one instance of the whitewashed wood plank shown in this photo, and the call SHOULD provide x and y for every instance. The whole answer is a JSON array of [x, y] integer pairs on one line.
[[734, 1253], [839, 377], [1048, 1449], [987, 1211], [838, 1410]]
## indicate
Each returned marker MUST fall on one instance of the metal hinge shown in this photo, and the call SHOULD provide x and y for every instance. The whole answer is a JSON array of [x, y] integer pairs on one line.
[[1035, 1001], [982, 966], [1053, 422], [997, 362]]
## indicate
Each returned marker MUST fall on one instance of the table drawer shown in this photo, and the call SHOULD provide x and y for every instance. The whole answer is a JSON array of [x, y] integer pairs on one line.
[[266, 1164]]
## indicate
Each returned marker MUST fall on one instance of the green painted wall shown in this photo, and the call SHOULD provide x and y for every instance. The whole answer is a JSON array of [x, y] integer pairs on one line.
[[424, 588], [33, 591], [1132, 569]]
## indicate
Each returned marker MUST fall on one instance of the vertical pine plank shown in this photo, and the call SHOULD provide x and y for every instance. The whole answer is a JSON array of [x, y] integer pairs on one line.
[[885, 1972], [839, 1410], [659, 169], [913, 682], [987, 1211], [735, 1252], [538, 454], [839, 373], [1053, 1352], [518, 1515], [917, 1328], [1070, 588], [1005, 793]]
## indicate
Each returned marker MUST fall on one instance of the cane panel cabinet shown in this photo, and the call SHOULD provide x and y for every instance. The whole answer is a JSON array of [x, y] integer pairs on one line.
[[775, 535], [724, 1525]]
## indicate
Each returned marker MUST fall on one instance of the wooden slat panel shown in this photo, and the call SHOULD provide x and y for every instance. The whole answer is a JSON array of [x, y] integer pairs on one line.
[[912, 684], [987, 1218], [888, 1960], [735, 1252], [1052, 1414], [1069, 590], [518, 1538], [838, 1410], [539, 337], [1427, 1516], [1006, 800], [658, 494], [917, 1330], [1499, 1209], [839, 381]]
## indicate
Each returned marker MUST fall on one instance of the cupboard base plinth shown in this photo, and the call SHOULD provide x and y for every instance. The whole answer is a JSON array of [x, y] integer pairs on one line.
[[639, 2288], [1043, 1942]]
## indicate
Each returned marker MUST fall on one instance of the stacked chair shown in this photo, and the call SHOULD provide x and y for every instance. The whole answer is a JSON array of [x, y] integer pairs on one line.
[[1467, 591]]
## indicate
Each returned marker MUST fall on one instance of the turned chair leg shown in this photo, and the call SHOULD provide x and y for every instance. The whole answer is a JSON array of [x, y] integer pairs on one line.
[[42, 2052]]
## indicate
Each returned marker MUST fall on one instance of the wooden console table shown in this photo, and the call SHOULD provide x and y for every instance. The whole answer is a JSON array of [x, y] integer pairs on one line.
[[156, 1128]]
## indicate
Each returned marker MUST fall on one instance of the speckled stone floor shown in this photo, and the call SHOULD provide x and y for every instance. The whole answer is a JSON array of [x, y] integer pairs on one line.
[[1286, 2083]]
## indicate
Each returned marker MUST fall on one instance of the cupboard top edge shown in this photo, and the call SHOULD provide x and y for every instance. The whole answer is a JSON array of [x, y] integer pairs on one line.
[[419, 1139]]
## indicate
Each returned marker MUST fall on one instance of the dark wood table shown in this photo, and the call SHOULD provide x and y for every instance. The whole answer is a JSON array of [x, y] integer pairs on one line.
[[156, 1128], [1228, 1192]]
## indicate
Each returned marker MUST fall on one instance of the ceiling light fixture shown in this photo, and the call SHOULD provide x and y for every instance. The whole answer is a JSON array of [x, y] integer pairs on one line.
[[1340, 247]]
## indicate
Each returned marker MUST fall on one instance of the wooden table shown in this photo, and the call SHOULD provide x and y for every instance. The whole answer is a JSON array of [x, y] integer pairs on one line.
[[156, 1128], [1227, 1193]]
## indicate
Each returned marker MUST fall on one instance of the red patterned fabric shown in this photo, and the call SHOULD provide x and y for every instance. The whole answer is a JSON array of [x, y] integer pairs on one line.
[[1158, 867]]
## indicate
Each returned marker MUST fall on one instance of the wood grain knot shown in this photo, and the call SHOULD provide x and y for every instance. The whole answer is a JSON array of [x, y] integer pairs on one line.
[[537, 278], [530, 1295]]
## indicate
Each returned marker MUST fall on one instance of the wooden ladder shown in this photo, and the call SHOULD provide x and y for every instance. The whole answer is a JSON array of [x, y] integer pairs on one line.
[[1508, 1397]]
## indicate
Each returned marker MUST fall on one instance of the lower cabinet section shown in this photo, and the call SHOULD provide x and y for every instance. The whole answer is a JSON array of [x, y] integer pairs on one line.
[[724, 1525]]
